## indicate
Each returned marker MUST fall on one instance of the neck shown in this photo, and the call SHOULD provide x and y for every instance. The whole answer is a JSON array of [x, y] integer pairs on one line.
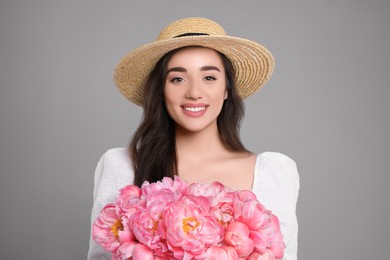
[[198, 145]]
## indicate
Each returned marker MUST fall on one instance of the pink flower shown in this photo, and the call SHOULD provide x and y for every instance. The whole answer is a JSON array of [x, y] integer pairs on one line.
[[106, 228], [275, 237], [260, 240], [171, 220], [177, 187], [221, 199], [263, 225], [221, 253], [237, 236], [126, 234], [128, 196], [147, 226], [250, 212], [142, 252], [214, 191], [124, 251], [129, 200], [223, 212], [257, 256], [189, 227], [163, 196], [245, 195], [269, 238]]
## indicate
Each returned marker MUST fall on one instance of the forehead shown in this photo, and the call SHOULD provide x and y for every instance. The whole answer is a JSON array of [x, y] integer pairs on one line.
[[193, 56]]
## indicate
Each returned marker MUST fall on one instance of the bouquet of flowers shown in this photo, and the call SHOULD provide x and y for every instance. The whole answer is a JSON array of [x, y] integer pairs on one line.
[[173, 220]]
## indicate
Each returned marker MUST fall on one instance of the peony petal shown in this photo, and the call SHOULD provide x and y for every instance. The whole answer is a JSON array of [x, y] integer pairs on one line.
[[236, 235], [125, 251], [102, 229], [239, 228], [277, 249], [142, 252], [217, 252], [231, 252], [260, 241], [245, 195], [258, 256]]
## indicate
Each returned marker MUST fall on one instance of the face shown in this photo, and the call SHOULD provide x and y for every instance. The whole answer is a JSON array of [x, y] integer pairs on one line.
[[195, 88]]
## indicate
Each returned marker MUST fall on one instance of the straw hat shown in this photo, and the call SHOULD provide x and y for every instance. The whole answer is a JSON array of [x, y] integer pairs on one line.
[[252, 62]]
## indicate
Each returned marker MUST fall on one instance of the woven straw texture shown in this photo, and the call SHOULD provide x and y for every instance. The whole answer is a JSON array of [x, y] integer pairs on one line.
[[252, 62]]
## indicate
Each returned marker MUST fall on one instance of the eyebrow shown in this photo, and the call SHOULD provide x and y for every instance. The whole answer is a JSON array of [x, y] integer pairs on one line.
[[204, 68], [179, 69]]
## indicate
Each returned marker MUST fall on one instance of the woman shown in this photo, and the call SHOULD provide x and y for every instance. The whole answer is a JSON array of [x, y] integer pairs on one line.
[[190, 83]]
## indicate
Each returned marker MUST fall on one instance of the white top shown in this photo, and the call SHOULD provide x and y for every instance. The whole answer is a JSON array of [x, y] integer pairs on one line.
[[276, 185]]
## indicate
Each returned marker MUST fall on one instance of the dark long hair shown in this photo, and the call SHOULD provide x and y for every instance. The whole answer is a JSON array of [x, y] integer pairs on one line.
[[153, 146]]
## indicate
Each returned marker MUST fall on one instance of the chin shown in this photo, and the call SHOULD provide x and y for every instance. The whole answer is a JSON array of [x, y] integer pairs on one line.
[[195, 128]]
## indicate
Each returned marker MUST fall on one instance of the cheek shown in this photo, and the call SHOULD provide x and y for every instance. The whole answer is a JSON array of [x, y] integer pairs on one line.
[[171, 101], [169, 96], [223, 92]]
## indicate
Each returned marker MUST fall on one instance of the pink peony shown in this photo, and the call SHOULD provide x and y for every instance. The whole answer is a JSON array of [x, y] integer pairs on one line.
[[128, 196], [171, 220], [265, 256], [142, 252], [124, 251], [249, 211], [237, 236], [214, 191], [221, 199], [106, 228], [275, 237], [224, 213], [189, 227], [178, 187], [129, 200], [147, 226], [221, 253], [269, 237], [263, 225]]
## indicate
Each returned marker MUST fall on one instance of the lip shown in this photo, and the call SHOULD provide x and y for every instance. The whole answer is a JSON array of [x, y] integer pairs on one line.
[[195, 113]]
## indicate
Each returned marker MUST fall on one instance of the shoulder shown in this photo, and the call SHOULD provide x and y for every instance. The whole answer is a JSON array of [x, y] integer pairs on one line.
[[116, 161], [277, 164], [114, 170], [277, 159], [276, 172], [119, 156]]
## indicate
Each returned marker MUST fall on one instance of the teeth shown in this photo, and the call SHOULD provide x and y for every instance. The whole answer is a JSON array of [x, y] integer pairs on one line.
[[194, 109]]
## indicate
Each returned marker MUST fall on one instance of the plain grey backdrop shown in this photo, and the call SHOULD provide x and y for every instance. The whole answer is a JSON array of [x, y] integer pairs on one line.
[[327, 107]]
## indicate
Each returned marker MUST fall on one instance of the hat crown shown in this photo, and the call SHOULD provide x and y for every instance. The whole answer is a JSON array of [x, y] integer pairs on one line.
[[191, 26]]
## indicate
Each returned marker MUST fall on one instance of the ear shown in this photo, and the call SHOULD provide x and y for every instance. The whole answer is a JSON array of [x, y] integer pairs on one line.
[[226, 95]]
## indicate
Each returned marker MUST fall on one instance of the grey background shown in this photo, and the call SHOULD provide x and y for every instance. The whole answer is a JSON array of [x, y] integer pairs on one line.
[[326, 107]]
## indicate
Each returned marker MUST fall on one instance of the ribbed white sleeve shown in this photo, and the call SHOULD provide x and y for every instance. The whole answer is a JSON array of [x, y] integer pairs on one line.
[[113, 172], [276, 184]]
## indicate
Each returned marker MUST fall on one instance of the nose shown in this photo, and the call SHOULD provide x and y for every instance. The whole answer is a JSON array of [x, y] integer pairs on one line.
[[194, 91]]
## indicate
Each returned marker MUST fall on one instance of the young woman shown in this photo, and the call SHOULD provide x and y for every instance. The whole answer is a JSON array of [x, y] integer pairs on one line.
[[190, 83]]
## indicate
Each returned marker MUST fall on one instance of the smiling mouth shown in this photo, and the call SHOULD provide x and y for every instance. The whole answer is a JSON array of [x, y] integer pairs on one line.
[[194, 109]]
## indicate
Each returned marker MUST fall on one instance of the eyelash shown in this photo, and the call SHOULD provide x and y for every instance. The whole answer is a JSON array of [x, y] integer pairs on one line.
[[180, 79], [210, 78], [176, 80]]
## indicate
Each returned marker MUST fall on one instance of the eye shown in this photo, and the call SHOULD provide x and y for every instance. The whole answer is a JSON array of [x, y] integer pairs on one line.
[[176, 80], [210, 78]]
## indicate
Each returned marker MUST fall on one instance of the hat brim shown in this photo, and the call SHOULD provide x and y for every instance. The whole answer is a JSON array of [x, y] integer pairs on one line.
[[252, 62]]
